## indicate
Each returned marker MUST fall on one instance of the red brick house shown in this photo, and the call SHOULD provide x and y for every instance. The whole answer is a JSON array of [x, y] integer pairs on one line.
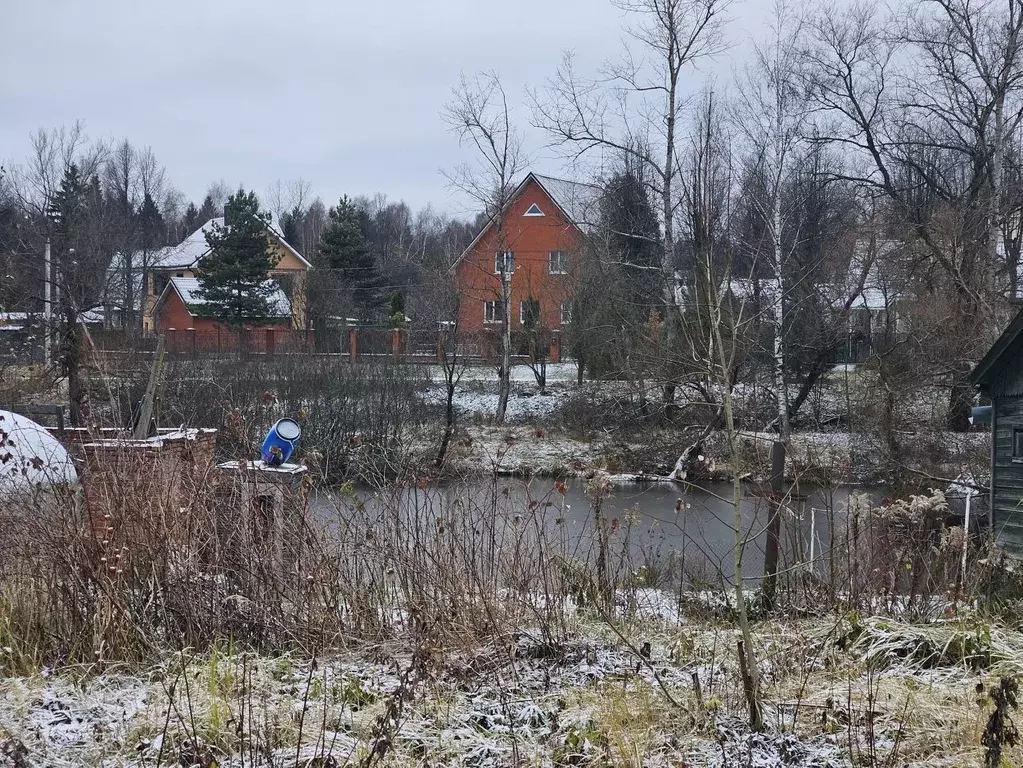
[[538, 243]]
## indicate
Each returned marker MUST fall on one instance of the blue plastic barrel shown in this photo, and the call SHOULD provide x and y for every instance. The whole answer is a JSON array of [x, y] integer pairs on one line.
[[280, 442]]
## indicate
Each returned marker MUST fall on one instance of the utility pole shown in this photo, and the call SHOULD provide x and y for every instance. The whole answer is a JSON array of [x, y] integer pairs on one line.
[[47, 310]]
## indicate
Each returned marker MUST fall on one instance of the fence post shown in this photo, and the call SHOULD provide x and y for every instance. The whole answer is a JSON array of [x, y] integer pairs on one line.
[[195, 344], [395, 342], [353, 344], [555, 347], [269, 342]]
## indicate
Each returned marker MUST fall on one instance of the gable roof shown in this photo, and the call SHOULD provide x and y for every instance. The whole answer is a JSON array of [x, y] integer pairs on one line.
[[186, 255], [984, 371], [576, 201], [188, 290]]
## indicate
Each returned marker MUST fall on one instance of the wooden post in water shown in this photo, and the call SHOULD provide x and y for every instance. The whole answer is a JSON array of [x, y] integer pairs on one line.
[[773, 546]]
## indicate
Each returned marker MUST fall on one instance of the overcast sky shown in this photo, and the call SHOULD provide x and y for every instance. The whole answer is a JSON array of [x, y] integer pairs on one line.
[[343, 94]]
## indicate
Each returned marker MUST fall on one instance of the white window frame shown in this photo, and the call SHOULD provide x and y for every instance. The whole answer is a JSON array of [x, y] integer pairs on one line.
[[563, 266], [493, 312], [508, 262], [522, 311], [566, 312], [530, 212]]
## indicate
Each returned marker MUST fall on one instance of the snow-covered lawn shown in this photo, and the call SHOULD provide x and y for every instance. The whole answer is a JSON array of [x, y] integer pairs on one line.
[[587, 699]]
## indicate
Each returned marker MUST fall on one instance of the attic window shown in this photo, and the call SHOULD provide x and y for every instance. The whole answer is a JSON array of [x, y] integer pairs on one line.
[[534, 210]]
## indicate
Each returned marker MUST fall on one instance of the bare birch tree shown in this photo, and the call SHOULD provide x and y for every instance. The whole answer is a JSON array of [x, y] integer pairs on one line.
[[706, 217], [480, 116], [771, 114]]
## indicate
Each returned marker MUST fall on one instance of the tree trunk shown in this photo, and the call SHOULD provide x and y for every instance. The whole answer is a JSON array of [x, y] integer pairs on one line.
[[71, 360], [773, 546], [505, 386]]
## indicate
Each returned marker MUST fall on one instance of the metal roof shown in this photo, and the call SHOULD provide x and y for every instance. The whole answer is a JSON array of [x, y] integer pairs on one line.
[[189, 289]]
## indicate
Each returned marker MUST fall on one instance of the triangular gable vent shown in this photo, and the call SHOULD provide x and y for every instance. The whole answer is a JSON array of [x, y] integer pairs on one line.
[[534, 210]]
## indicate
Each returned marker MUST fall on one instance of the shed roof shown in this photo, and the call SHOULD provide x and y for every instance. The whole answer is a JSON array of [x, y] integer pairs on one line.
[[998, 355]]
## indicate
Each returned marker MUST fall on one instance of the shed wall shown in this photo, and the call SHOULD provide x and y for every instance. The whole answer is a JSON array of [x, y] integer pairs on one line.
[[1007, 476]]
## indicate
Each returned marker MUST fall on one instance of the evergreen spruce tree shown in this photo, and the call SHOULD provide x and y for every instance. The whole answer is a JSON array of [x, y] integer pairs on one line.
[[208, 210], [150, 222], [233, 275], [191, 219], [344, 249], [634, 237], [68, 212]]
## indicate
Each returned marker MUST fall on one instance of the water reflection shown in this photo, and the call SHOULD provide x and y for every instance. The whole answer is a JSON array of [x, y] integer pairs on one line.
[[669, 529]]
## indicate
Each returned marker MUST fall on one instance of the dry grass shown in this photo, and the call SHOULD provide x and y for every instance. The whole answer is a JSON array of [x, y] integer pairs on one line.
[[446, 628]]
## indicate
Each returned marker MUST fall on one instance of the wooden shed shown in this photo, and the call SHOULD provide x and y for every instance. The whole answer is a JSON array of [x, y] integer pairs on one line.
[[999, 376]]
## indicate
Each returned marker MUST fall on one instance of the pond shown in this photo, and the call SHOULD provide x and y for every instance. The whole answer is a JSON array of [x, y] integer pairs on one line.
[[664, 527]]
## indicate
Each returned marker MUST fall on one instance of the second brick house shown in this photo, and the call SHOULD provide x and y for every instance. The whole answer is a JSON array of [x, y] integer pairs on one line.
[[170, 286]]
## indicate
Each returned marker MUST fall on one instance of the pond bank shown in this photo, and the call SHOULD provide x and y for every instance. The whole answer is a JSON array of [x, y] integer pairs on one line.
[[822, 457]]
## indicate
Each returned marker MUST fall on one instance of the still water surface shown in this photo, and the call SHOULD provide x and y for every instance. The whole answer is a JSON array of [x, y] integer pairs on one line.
[[656, 523]]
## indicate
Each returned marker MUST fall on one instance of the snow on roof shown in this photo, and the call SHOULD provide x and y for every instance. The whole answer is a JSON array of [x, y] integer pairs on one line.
[[194, 247], [579, 201], [30, 457], [190, 250], [188, 289]]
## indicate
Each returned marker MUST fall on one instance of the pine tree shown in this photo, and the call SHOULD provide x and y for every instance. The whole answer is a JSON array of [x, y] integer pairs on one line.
[[233, 275], [344, 249]]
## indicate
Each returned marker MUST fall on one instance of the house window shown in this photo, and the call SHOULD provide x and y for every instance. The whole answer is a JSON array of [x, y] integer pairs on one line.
[[493, 311], [557, 262], [180, 274], [504, 262], [566, 312], [534, 210], [529, 313], [1017, 445]]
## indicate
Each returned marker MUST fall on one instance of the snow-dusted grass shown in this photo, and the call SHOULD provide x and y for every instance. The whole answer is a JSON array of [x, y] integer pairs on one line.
[[587, 700]]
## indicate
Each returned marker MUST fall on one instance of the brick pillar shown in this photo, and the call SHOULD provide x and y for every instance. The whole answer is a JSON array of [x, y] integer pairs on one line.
[[353, 344], [555, 347], [395, 342], [269, 342]]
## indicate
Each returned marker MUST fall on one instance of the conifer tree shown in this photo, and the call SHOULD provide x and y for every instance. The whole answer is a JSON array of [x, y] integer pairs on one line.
[[634, 240], [191, 219], [233, 275], [344, 250], [208, 210]]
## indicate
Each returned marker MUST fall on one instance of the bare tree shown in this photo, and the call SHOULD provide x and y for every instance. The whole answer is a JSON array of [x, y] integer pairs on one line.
[[480, 116], [706, 218], [636, 107], [931, 112], [772, 114]]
